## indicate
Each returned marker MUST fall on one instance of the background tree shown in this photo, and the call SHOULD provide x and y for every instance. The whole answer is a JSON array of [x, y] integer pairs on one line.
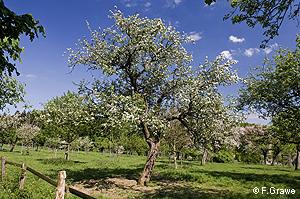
[[268, 14], [275, 92], [199, 105], [11, 91], [68, 116], [177, 137], [26, 133], [9, 125], [286, 126]]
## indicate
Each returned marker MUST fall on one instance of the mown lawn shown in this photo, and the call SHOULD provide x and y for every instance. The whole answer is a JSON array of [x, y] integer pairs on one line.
[[89, 171]]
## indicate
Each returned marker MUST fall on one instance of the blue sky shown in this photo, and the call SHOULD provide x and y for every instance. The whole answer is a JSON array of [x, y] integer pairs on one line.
[[44, 69]]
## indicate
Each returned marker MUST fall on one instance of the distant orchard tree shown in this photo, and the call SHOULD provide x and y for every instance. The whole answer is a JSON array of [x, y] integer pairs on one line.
[[26, 133], [11, 91], [145, 67], [68, 116], [177, 137], [9, 124]]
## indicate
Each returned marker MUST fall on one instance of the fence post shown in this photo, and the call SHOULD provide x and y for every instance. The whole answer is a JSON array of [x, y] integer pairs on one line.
[[3, 172], [61, 184], [22, 177]]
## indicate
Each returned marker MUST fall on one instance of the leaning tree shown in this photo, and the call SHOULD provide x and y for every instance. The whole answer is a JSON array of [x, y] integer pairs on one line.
[[144, 67]]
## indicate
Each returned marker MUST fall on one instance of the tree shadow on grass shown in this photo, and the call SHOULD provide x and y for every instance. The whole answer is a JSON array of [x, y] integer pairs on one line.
[[58, 161], [103, 173], [273, 178], [269, 167], [186, 192]]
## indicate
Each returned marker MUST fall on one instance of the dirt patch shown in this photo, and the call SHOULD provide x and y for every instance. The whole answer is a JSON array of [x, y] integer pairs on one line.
[[118, 188]]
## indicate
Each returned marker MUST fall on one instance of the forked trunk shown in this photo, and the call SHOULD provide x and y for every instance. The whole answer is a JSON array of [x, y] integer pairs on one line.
[[152, 155]]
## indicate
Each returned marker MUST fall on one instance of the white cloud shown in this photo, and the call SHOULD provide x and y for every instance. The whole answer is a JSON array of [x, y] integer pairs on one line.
[[270, 48], [30, 76], [172, 3], [194, 36], [177, 1], [254, 118], [227, 54], [130, 4], [235, 39], [251, 51], [147, 4]]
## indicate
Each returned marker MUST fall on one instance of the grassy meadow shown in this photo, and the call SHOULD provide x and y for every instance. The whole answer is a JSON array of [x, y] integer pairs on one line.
[[112, 176]]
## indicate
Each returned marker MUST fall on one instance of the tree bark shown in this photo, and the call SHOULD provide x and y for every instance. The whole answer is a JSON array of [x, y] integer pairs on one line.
[[67, 152], [265, 154], [148, 168], [174, 155], [13, 145], [204, 156], [275, 155], [297, 160], [290, 160]]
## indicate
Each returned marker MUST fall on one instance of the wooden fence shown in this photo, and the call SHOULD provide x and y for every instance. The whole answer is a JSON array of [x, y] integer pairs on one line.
[[60, 185]]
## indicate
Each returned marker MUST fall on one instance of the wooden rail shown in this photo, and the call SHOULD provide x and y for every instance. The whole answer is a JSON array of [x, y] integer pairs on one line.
[[60, 185]]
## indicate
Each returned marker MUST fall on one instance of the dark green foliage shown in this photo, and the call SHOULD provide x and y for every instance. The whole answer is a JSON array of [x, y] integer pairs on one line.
[[191, 152], [11, 27], [248, 157], [223, 156]]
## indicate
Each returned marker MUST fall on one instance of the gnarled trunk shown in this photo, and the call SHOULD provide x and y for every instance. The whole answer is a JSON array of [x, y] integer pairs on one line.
[[152, 155]]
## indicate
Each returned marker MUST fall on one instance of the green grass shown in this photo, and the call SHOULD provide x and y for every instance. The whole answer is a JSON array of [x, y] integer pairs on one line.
[[191, 180]]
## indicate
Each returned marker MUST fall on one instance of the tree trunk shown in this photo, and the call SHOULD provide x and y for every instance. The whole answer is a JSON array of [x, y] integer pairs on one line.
[[204, 156], [297, 160], [67, 152], [13, 145], [152, 155], [265, 155], [290, 160], [174, 155], [275, 155]]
